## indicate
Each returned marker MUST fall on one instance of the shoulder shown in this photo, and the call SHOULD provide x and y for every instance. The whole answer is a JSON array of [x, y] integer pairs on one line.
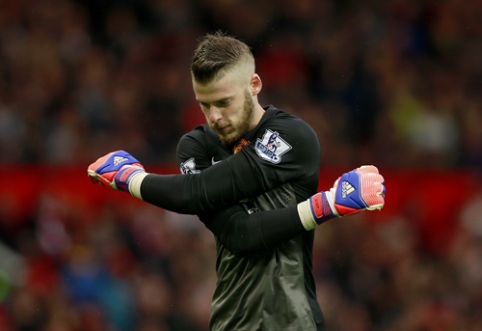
[[286, 129], [286, 122], [193, 150], [200, 135], [282, 138], [197, 134]]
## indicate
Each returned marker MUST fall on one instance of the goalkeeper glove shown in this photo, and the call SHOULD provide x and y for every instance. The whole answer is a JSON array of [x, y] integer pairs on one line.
[[355, 191], [117, 170]]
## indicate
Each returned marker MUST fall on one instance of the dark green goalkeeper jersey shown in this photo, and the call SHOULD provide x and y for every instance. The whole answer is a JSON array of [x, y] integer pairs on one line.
[[247, 196]]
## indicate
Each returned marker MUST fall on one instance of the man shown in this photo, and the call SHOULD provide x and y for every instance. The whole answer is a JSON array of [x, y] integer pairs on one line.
[[251, 175]]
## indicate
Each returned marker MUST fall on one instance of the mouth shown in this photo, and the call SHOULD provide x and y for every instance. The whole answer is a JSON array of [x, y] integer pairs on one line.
[[224, 130], [226, 134]]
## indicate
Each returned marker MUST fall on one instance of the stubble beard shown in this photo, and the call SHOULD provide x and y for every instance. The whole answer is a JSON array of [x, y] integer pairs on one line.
[[245, 122]]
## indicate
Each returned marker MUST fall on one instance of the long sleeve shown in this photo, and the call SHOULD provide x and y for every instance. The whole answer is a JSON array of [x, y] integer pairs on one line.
[[244, 233], [207, 185], [218, 186]]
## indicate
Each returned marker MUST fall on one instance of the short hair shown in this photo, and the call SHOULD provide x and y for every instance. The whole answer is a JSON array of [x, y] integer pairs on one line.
[[217, 53]]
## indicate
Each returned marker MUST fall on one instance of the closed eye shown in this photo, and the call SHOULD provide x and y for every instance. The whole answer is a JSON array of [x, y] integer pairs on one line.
[[222, 103]]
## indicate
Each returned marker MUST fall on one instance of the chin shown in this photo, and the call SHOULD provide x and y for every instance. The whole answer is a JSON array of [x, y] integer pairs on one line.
[[229, 139]]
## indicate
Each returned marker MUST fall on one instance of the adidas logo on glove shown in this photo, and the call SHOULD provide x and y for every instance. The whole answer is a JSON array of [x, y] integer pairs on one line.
[[119, 159], [346, 189]]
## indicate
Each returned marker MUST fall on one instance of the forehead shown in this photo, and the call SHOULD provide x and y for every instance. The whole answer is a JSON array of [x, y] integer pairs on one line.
[[226, 85]]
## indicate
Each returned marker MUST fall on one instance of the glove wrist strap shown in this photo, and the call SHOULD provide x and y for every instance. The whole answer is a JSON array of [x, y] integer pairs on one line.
[[135, 183], [329, 199], [316, 210]]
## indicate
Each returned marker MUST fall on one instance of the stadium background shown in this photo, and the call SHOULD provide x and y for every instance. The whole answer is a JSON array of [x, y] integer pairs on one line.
[[394, 83]]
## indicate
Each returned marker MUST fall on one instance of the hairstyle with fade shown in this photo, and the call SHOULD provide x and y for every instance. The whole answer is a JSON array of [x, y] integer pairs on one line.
[[216, 53]]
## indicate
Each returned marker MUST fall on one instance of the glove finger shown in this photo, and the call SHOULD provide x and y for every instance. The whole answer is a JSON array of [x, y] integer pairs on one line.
[[100, 162], [372, 190], [384, 190], [378, 201], [368, 169], [95, 178], [378, 206]]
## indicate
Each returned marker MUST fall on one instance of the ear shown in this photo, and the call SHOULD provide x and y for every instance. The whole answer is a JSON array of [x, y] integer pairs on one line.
[[256, 84]]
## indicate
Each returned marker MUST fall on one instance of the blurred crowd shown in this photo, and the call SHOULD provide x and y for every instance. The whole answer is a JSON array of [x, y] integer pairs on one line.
[[134, 267], [394, 83]]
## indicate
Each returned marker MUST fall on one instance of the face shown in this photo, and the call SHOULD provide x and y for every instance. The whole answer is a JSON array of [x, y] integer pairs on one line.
[[227, 105]]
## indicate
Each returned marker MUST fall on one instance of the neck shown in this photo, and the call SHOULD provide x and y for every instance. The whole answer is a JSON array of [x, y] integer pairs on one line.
[[258, 113]]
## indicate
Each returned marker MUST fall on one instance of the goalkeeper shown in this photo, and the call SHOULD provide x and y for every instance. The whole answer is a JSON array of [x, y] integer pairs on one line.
[[251, 175]]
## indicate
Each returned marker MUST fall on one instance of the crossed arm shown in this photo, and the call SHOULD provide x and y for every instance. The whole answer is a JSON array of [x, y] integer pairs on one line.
[[119, 170]]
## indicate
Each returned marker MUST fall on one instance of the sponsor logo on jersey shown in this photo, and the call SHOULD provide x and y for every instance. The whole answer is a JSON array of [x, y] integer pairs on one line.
[[271, 147], [214, 162], [189, 167]]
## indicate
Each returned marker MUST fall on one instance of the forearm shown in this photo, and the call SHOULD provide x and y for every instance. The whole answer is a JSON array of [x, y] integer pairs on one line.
[[186, 194], [213, 189], [244, 233]]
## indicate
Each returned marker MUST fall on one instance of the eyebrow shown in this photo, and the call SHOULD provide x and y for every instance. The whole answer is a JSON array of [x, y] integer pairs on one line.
[[223, 100]]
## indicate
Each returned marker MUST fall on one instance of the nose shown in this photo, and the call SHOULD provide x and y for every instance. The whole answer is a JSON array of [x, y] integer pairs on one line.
[[214, 114]]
